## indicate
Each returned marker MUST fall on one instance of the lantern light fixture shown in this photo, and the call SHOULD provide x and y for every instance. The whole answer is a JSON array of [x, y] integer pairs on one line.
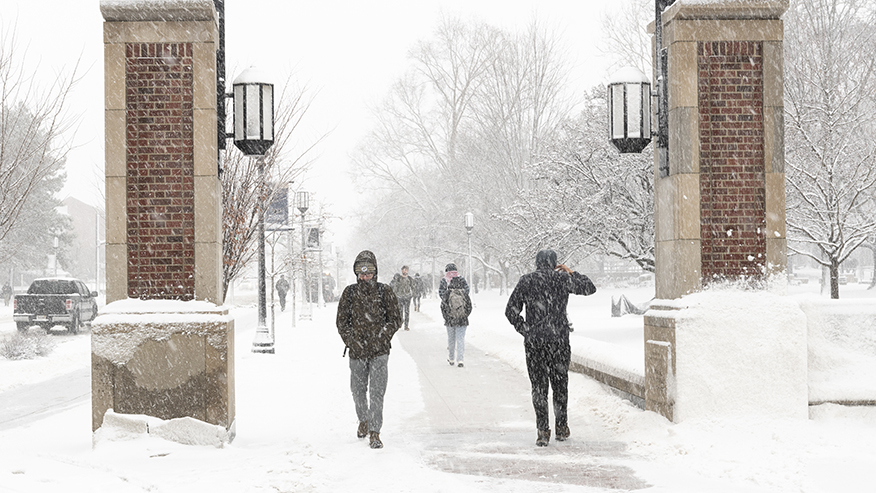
[[629, 110], [253, 112]]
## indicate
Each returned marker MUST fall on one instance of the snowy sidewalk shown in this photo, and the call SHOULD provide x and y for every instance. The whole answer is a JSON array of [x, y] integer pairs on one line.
[[479, 420]]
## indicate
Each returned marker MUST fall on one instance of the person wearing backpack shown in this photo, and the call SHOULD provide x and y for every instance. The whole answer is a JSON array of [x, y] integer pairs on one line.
[[545, 330], [403, 287], [455, 308], [367, 319]]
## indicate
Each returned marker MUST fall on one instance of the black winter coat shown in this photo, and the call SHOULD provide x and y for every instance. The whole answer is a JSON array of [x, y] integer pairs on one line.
[[545, 295]]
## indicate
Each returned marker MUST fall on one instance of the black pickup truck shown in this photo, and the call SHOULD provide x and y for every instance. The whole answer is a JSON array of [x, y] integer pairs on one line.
[[55, 301]]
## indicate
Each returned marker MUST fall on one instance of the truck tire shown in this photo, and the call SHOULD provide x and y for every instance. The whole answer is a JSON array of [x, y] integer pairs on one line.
[[22, 326], [73, 326]]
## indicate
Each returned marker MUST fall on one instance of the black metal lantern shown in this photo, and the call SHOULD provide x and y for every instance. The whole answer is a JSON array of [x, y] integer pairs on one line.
[[302, 200], [253, 112], [629, 110]]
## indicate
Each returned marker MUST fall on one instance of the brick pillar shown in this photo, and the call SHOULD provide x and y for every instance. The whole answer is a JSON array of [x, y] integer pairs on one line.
[[164, 221], [720, 212], [162, 347]]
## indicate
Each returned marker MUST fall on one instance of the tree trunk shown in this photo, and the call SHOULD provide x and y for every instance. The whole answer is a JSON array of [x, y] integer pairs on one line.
[[834, 279], [873, 275]]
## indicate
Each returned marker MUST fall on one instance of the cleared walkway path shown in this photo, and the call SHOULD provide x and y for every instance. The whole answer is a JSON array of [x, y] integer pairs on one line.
[[479, 420]]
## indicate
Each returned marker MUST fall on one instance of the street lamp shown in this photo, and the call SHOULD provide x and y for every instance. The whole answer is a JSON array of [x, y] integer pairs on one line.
[[469, 225], [254, 135], [302, 202], [629, 102], [629, 110]]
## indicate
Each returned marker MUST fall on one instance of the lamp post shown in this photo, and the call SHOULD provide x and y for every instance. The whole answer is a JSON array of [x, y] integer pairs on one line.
[[629, 102], [254, 135], [469, 225], [302, 202]]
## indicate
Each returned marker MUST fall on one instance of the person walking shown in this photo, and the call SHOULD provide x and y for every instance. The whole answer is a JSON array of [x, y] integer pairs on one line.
[[418, 291], [7, 292], [368, 317], [455, 308], [403, 287], [545, 330], [282, 289]]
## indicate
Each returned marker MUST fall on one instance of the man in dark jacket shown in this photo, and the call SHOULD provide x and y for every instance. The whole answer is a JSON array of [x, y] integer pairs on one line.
[[545, 294], [403, 287], [367, 319]]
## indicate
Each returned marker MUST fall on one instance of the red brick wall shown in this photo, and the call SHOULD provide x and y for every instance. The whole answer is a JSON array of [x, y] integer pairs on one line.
[[732, 187], [160, 173]]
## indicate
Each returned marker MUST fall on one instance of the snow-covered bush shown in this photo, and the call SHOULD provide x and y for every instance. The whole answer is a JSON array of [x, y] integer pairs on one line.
[[27, 345]]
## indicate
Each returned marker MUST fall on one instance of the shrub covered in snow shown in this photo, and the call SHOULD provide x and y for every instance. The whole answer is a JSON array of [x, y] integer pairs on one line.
[[27, 345]]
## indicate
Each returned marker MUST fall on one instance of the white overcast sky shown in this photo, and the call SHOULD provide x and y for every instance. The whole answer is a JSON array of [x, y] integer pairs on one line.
[[349, 51]]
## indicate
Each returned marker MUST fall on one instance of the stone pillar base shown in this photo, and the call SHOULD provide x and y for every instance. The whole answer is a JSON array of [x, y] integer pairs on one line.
[[166, 359]]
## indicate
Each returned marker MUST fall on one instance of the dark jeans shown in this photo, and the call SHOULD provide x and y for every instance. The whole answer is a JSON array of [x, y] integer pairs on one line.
[[404, 307], [282, 300], [548, 365]]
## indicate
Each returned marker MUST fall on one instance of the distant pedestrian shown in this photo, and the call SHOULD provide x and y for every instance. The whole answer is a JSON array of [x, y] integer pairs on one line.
[[282, 289], [7, 292], [455, 308], [403, 287], [545, 294], [367, 319], [419, 289]]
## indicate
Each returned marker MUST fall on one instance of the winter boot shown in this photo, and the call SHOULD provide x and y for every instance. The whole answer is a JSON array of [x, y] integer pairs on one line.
[[460, 364], [375, 440], [563, 433], [362, 431], [544, 436]]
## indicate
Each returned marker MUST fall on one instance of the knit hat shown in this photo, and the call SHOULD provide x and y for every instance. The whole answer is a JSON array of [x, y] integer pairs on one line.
[[365, 263], [450, 267]]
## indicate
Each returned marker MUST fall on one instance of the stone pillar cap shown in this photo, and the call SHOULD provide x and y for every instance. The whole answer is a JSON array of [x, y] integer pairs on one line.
[[726, 9], [157, 10]]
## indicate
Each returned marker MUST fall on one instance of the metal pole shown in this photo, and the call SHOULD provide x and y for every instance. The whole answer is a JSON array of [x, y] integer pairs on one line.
[[320, 296], [470, 278], [305, 293], [263, 312], [273, 284], [263, 342], [290, 255], [661, 59]]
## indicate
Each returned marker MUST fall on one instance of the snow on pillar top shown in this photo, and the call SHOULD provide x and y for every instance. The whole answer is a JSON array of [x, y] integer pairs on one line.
[[157, 10]]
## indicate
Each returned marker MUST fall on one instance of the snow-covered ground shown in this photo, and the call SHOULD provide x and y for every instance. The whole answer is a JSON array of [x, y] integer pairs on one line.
[[295, 423]]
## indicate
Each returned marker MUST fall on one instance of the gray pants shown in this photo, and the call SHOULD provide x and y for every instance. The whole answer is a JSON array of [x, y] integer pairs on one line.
[[364, 374]]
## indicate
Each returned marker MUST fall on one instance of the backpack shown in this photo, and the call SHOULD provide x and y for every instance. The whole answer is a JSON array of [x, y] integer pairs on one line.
[[456, 303]]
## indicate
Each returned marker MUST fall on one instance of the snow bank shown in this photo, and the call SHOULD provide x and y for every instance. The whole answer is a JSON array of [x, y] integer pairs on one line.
[[740, 353], [188, 431], [842, 349]]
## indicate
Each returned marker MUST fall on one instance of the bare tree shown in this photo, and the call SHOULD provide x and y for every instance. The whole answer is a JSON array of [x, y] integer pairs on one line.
[[831, 155], [589, 199], [34, 142], [625, 40], [243, 193], [457, 133]]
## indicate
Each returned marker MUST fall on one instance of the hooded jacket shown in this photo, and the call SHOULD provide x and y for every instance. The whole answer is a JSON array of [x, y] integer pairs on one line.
[[368, 314], [545, 295]]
